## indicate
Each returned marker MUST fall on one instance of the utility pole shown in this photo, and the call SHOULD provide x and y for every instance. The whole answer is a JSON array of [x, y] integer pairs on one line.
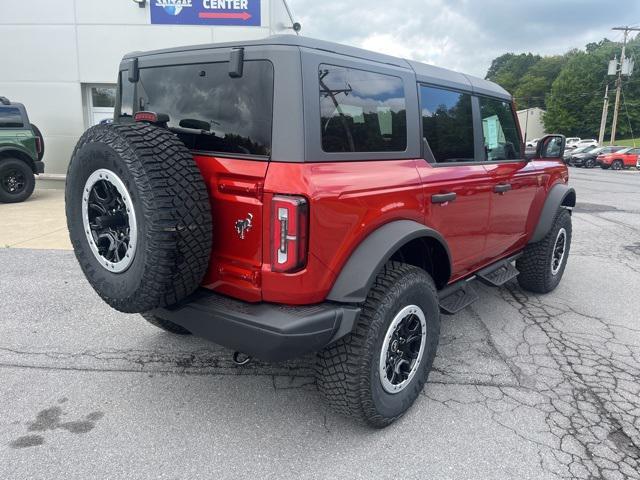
[[614, 124], [605, 111]]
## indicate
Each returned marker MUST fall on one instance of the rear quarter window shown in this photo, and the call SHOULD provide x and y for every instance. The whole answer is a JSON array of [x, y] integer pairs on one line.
[[209, 110], [361, 111], [447, 124], [11, 117]]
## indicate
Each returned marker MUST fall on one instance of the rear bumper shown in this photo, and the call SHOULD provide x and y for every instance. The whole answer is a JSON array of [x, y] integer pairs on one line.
[[267, 331]]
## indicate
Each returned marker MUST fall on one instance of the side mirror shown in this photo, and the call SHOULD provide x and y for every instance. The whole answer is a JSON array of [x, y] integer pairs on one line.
[[551, 146]]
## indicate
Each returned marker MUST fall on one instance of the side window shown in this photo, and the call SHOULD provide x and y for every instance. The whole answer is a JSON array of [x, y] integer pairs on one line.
[[501, 140], [361, 111], [10, 118], [447, 124]]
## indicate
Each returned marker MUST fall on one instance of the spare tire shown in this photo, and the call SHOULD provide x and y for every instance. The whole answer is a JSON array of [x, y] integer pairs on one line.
[[138, 215]]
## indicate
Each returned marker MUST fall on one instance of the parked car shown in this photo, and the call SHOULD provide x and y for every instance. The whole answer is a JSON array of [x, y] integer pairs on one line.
[[533, 143], [625, 158], [588, 159], [586, 142], [348, 198], [21, 152], [568, 154], [572, 142]]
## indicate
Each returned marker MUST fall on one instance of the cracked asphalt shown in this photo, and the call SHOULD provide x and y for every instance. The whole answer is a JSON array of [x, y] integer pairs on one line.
[[524, 386]]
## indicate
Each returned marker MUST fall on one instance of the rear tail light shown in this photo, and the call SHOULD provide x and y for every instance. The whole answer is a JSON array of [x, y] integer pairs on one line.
[[151, 117], [38, 144], [290, 224]]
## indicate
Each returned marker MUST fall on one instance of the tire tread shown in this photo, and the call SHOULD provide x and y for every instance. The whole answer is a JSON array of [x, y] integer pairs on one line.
[[175, 205]]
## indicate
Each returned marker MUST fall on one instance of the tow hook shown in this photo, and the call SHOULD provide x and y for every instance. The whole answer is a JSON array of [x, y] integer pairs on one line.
[[241, 359]]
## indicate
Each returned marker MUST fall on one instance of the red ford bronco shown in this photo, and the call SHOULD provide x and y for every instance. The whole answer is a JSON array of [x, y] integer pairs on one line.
[[289, 195]]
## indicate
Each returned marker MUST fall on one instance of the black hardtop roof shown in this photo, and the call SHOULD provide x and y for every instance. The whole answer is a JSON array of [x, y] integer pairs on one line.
[[424, 72]]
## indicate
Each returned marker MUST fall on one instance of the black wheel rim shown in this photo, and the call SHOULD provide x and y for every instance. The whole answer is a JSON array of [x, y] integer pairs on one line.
[[109, 220], [402, 349], [559, 249], [13, 181]]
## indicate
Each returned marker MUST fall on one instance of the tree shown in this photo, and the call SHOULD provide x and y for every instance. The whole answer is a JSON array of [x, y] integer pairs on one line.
[[508, 69], [570, 87]]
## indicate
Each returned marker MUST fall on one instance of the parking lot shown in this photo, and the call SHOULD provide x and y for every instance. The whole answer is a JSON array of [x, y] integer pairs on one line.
[[525, 386]]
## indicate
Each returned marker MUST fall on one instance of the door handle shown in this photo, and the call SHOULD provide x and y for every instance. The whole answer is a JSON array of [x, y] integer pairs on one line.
[[502, 188], [444, 197]]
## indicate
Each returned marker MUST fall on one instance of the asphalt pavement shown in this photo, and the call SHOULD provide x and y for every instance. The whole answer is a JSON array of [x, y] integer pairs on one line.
[[524, 386]]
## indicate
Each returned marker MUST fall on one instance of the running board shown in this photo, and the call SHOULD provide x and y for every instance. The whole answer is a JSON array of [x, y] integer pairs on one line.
[[461, 294], [500, 273], [456, 297]]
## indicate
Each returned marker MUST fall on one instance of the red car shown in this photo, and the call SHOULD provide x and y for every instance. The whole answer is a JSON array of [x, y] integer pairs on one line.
[[288, 196], [625, 158]]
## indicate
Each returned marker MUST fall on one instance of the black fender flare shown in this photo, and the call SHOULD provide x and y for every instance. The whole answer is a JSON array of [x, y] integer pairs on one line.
[[21, 154], [359, 273], [559, 196]]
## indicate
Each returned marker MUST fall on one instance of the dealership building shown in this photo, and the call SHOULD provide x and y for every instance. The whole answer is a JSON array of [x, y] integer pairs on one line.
[[60, 58]]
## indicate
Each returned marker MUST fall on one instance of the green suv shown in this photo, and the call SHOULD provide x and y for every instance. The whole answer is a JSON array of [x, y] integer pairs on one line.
[[21, 152]]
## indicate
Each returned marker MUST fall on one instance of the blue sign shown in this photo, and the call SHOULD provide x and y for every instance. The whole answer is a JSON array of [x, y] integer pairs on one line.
[[206, 12]]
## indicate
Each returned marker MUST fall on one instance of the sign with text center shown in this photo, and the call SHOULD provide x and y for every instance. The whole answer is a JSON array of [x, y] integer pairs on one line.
[[206, 12]]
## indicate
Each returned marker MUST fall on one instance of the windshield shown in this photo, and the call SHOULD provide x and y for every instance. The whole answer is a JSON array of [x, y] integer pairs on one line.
[[624, 150], [209, 110]]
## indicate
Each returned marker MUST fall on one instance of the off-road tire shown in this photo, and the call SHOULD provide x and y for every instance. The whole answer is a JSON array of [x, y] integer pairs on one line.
[[347, 371], [9, 165], [535, 263], [171, 207], [165, 325]]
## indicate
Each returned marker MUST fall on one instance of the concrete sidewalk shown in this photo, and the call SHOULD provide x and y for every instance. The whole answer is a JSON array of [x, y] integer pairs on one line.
[[37, 223]]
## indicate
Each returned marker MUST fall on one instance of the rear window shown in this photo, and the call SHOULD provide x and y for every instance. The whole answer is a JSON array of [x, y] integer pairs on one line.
[[10, 118], [209, 110], [361, 111]]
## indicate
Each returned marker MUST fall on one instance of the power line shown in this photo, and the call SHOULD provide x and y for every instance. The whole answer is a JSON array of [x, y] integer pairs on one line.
[[626, 111]]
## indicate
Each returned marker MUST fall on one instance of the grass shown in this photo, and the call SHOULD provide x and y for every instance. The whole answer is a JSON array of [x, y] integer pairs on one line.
[[628, 142]]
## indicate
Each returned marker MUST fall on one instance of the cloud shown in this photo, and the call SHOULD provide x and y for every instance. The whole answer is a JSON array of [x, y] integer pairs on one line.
[[464, 35]]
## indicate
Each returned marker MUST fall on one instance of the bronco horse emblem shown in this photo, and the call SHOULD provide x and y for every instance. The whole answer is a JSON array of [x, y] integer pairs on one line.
[[243, 225]]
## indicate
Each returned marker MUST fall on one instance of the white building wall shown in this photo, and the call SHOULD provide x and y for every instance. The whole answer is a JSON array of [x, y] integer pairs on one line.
[[531, 123], [52, 49]]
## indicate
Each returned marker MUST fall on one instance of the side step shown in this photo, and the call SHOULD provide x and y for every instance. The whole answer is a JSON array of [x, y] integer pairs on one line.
[[499, 273], [456, 297]]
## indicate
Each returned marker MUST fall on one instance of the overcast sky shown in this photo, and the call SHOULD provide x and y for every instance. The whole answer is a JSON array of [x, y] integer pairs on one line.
[[465, 35]]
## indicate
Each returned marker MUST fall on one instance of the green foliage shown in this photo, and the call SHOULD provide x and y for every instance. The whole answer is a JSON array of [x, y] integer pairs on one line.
[[570, 87], [630, 142], [508, 69]]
